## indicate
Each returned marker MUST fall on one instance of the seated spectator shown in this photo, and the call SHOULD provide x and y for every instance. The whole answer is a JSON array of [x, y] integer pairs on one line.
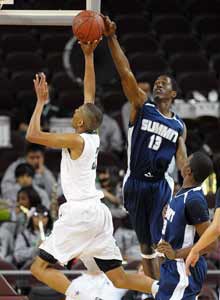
[[24, 174], [27, 198], [27, 242], [127, 241], [43, 176], [6, 243], [108, 185]]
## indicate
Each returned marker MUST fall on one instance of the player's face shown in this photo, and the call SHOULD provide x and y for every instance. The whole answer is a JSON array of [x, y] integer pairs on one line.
[[77, 119], [35, 158], [163, 89]]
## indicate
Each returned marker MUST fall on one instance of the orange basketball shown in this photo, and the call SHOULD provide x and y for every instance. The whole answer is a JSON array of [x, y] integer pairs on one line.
[[88, 26]]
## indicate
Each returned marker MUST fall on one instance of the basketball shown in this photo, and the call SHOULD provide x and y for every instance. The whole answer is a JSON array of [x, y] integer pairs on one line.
[[88, 26]]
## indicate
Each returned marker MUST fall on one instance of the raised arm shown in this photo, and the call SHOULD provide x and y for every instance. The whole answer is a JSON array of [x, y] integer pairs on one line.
[[89, 76], [181, 153], [134, 94], [34, 132]]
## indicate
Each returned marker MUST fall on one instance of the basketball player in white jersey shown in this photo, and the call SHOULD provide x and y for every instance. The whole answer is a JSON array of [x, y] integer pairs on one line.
[[84, 228]]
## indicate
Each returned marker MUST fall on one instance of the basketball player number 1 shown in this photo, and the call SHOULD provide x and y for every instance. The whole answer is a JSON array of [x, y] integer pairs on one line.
[[155, 142]]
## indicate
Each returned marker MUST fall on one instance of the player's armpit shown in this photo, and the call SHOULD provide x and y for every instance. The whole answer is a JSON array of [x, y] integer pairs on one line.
[[58, 140]]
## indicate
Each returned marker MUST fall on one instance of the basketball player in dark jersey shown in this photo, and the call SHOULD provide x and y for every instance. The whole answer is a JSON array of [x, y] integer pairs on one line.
[[210, 235], [155, 136]]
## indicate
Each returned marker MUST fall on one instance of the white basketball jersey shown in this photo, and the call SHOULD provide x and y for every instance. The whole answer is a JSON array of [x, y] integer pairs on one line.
[[78, 176]]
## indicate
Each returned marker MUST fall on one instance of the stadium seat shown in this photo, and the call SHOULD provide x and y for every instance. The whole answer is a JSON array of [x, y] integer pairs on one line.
[[7, 101], [44, 293], [164, 7], [5, 84], [22, 81], [171, 25], [139, 43], [212, 44], [182, 63], [198, 7], [54, 62], [207, 293], [141, 62], [18, 42], [205, 25], [215, 62], [54, 42], [203, 82], [4, 265], [112, 102], [175, 44], [61, 81], [131, 24], [22, 61], [69, 101]]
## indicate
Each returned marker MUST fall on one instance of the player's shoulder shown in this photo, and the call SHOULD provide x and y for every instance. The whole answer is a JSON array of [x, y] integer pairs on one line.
[[196, 195]]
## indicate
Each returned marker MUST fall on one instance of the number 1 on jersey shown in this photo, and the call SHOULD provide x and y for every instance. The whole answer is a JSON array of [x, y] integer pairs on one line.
[[155, 142]]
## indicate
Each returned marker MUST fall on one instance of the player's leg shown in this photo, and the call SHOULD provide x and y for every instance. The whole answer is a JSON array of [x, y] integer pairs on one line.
[[135, 282], [150, 261], [138, 201], [42, 270]]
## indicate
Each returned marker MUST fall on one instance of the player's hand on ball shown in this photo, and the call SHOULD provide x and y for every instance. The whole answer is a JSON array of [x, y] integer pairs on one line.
[[166, 249], [191, 260], [110, 27], [41, 88], [88, 48]]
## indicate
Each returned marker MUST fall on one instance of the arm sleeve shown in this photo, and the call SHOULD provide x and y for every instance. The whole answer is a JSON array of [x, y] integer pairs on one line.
[[196, 211], [217, 199]]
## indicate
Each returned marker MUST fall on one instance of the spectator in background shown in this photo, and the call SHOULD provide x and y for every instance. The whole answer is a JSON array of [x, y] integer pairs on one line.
[[6, 243], [43, 176], [27, 198], [127, 241], [24, 174], [27, 242], [108, 184], [125, 111], [110, 134]]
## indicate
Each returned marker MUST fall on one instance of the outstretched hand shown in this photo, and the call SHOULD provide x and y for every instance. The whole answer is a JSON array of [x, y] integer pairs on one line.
[[110, 26], [88, 48], [41, 88], [191, 260]]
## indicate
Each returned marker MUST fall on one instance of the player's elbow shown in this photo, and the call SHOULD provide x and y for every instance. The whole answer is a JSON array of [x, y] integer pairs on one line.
[[30, 138]]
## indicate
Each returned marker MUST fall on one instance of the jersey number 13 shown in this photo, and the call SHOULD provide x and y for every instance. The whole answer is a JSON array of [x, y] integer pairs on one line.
[[155, 142]]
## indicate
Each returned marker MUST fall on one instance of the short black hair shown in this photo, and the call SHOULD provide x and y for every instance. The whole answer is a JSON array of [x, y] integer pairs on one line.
[[201, 166], [93, 116], [33, 196], [24, 169], [30, 147]]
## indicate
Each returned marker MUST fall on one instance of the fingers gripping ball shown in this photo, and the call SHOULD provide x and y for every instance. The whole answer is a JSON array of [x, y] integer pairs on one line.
[[88, 26]]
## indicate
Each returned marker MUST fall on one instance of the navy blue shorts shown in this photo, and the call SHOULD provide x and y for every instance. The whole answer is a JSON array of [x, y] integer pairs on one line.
[[175, 284], [144, 201]]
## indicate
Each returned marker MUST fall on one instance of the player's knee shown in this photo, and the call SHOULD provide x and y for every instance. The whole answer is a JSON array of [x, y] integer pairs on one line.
[[146, 249], [38, 267]]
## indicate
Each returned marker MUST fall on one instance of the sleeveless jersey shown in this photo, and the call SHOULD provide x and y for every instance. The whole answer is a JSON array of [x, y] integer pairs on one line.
[[152, 143], [78, 176], [188, 208]]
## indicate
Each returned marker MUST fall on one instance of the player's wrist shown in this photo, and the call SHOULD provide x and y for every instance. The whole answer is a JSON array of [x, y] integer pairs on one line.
[[112, 36]]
